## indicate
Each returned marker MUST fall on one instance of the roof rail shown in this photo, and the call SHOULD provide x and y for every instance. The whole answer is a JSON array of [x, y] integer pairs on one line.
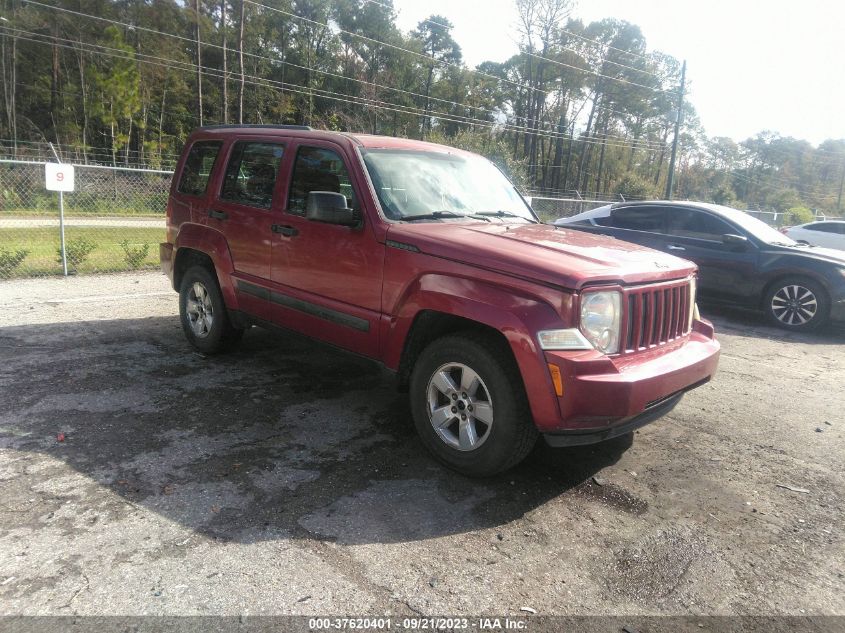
[[257, 125]]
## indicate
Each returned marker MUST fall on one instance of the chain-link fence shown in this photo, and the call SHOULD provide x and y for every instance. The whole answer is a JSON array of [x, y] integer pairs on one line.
[[550, 209], [113, 220]]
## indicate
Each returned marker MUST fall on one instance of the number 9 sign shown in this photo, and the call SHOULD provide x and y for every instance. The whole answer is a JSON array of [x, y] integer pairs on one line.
[[58, 177]]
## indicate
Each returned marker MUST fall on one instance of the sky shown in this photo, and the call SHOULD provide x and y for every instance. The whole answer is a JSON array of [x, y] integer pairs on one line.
[[752, 65]]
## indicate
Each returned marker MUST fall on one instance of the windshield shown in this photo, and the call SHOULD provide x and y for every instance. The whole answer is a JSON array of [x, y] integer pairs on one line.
[[439, 186], [756, 228]]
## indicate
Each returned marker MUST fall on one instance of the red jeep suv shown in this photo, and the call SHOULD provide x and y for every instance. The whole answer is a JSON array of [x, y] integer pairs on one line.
[[426, 259]]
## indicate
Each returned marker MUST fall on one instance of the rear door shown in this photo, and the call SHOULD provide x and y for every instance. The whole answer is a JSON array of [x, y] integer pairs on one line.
[[243, 211], [242, 207], [190, 194], [644, 225]]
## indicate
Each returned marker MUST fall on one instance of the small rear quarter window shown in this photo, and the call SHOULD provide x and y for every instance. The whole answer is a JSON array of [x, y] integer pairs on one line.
[[198, 167]]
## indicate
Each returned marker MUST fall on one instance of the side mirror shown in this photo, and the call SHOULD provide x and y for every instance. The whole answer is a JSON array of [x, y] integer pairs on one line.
[[738, 242], [330, 207]]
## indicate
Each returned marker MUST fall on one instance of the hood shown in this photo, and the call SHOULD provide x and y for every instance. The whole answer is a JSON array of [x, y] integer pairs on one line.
[[830, 255], [551, 255]]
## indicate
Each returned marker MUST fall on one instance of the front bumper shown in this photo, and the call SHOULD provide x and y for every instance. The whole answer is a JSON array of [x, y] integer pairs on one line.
[[602, 395], [579, 438], [837, 311]]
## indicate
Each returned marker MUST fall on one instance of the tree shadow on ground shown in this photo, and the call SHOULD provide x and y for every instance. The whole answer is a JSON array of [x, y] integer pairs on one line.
[[282, 438]]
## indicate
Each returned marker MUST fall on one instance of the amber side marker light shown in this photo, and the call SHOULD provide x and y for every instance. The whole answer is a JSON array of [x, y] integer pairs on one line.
[[554, 370]]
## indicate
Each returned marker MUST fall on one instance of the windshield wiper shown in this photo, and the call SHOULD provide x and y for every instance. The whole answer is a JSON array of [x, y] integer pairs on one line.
[[503, 214], [434, 215]]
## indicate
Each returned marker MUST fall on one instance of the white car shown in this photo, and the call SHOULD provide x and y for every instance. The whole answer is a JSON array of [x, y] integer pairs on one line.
[[829, 233]]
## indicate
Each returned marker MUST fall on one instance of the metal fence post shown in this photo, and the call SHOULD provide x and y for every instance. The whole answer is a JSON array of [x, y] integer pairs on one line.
[[62, 230], [61, 218]]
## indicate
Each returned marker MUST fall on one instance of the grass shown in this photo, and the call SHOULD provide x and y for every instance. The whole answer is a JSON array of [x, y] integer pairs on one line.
[[51, 210], [108, 255]]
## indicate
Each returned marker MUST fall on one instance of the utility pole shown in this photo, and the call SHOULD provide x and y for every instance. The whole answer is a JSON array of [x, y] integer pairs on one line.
[[225, 95], [199, 62], [841, 185], [670, 180]]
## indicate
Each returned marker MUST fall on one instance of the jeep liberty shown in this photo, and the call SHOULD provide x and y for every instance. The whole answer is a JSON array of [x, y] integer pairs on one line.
[[426, 259]]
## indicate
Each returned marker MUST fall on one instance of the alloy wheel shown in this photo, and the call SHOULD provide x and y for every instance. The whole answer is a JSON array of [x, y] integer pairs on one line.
[[794, 305], [200, 310], [460, 408]]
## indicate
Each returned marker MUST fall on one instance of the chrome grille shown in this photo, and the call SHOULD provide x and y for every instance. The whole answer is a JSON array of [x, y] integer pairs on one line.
[[655, 315]]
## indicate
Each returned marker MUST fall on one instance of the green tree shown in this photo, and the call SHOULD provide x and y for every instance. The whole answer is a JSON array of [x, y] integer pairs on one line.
[[633, 186], [435, 37], [117, 84]]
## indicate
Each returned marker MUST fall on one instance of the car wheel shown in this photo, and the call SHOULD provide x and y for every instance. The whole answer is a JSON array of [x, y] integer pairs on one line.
[[469, 404], [797, 303], [203, 313]]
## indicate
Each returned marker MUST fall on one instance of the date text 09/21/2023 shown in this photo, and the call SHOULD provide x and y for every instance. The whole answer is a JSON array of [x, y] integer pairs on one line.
[[418, 624]]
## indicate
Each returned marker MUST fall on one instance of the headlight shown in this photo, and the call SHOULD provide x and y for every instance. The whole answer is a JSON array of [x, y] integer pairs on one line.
[[693, 309], [601, 315]]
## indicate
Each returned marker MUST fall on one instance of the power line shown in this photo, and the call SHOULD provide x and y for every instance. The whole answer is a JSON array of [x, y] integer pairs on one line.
[[603, 45], [270, 59], [431, 60], [596, 74], [813, 191], [296, 88], [394, 46], [642, 143], [608, 61]]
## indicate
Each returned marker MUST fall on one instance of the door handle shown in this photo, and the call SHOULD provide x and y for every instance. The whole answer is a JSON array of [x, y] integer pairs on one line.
[[675, 247], [284, 229], [219, 215]]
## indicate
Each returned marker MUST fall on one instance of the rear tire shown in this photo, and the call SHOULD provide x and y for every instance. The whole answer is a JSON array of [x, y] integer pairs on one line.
[[203, 314], [797, 303], [469, 404]]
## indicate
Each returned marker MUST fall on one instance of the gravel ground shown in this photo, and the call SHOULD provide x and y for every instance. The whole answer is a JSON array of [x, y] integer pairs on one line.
[[285, 478]]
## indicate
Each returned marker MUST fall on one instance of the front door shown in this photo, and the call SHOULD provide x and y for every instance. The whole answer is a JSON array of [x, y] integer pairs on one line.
[[328, 277], [725, 271]]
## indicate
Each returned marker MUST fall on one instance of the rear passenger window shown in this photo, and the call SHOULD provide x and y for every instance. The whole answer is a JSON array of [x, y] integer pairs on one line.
[[318, 169], [639, 219], [251, 173], [198, 167]]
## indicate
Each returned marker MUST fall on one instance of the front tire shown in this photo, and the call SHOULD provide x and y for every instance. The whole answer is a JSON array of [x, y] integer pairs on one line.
[[202, 312], [797, 304], [469, 404]]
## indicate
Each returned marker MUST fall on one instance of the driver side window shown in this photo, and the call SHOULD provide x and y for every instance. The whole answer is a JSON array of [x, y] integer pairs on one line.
[[696, 224], [318, 169]]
